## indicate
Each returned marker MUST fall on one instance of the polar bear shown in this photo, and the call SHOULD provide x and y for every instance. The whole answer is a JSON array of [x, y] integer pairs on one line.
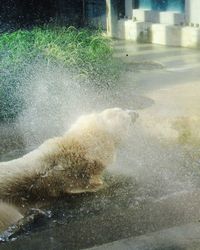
[[63, 165]]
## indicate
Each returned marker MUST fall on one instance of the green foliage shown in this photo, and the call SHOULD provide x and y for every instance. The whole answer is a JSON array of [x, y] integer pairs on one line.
[[85, 52], [69, 46]]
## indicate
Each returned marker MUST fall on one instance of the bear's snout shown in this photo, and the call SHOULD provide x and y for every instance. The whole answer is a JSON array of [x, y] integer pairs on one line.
[[134, 115]]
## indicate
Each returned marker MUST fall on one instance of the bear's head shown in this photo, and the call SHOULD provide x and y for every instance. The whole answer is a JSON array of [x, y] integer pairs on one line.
[[113, 123], [117, 121]]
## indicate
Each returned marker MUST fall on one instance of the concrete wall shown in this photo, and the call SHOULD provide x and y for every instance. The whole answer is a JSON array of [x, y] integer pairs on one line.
[[156, 33], [192, 11], [158, 27]]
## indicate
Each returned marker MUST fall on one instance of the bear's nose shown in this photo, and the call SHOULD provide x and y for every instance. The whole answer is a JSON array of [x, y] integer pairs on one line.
[[134, 115]]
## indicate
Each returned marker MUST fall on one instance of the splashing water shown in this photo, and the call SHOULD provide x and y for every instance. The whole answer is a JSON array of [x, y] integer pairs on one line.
[[156, 174]]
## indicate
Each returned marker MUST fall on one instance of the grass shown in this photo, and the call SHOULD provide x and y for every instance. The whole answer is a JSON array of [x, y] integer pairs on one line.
[[83, 51]]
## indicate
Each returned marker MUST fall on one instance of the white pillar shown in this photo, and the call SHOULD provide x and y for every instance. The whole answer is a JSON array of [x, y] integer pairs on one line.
[[192, 11], [111, 17]]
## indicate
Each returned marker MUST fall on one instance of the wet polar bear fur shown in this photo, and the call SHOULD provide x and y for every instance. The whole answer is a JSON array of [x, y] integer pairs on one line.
[[63, 165]]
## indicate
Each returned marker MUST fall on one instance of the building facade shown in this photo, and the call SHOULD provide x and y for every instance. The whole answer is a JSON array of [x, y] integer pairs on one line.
[[166, 22]]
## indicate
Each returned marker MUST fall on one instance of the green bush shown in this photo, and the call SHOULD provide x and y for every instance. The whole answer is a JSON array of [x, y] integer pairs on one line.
[[83, 51]]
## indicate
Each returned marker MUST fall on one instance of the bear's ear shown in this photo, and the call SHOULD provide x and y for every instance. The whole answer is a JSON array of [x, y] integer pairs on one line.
[[110, 114]]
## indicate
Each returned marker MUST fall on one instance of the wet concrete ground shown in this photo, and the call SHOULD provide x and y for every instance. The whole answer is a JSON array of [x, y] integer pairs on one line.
[[154, 184], [185, 237]]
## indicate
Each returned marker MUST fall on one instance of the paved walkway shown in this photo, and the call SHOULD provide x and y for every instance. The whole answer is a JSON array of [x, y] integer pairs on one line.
[[177, 238]]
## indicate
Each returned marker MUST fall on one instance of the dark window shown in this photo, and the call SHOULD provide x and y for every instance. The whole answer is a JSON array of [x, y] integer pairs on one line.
[[161, 5], [121, 8], [24, 13]]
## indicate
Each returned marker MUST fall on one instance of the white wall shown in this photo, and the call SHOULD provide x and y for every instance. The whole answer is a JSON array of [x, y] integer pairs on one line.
[[192, 11], [156, 27]]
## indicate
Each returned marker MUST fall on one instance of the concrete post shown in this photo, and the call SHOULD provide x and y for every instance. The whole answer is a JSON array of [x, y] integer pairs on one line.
[[129, 8], [111, 17]]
